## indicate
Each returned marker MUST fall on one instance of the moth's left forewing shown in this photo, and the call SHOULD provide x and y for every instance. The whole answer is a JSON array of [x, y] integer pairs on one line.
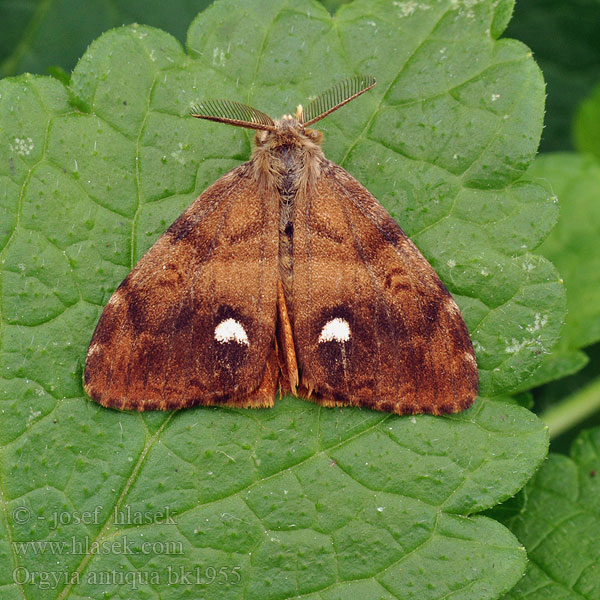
[[194, 322], [374, 326]]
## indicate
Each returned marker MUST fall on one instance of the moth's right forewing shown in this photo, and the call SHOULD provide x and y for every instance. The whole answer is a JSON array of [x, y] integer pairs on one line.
[[194, 321], [374, 325]]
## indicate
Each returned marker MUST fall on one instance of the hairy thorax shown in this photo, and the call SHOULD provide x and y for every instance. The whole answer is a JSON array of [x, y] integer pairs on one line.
[[288, 163]]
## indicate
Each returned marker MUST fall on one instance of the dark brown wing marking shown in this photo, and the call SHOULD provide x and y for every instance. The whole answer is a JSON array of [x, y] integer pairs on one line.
[[374, 326], [156, 345]]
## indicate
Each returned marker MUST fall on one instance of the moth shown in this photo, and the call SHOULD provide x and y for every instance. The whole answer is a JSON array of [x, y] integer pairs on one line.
[[285, 274]]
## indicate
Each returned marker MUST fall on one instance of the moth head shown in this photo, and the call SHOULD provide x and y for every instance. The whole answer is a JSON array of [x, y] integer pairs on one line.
[[288, 129]]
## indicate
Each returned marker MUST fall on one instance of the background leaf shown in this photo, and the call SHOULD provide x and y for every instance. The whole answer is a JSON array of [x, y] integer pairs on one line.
[[297, 499], [587, 124], [565, 42], [36, 35], [572, 247], [560, 526], [569, 403]]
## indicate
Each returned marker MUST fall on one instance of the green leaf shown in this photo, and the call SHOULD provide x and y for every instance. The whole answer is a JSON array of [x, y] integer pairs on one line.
[[298, 499], [333, 5], [587, 124], [571, 404], [560, 526], [38, 36], [572, 247], [564, 39]]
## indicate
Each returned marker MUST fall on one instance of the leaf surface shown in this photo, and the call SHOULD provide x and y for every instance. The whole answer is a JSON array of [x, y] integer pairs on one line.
[[572, 247], [40, 36], [564, 39], [296, 500], [560, 526], [587, 124]]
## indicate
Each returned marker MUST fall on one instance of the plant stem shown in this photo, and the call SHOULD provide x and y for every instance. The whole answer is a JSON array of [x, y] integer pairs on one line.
[[573, 409]]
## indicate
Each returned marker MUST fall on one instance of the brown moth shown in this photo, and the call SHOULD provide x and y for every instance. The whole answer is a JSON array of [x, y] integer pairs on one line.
[[284, 274]]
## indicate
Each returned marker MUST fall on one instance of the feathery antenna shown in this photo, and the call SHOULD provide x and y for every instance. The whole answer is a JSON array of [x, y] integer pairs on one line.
[[335, 97], [233, 113]]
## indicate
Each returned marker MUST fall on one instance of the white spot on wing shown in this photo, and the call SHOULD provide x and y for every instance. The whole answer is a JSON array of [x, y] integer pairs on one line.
[[336, 330], [231, 330]]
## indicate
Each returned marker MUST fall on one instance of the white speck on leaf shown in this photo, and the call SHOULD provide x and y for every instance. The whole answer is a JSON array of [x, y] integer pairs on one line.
[[22, 146], [33, 414], [178, 154], [218, 57], [477, 346], [539, 322], [528, 265], [515, 345], [409, 7], [465, 7]]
